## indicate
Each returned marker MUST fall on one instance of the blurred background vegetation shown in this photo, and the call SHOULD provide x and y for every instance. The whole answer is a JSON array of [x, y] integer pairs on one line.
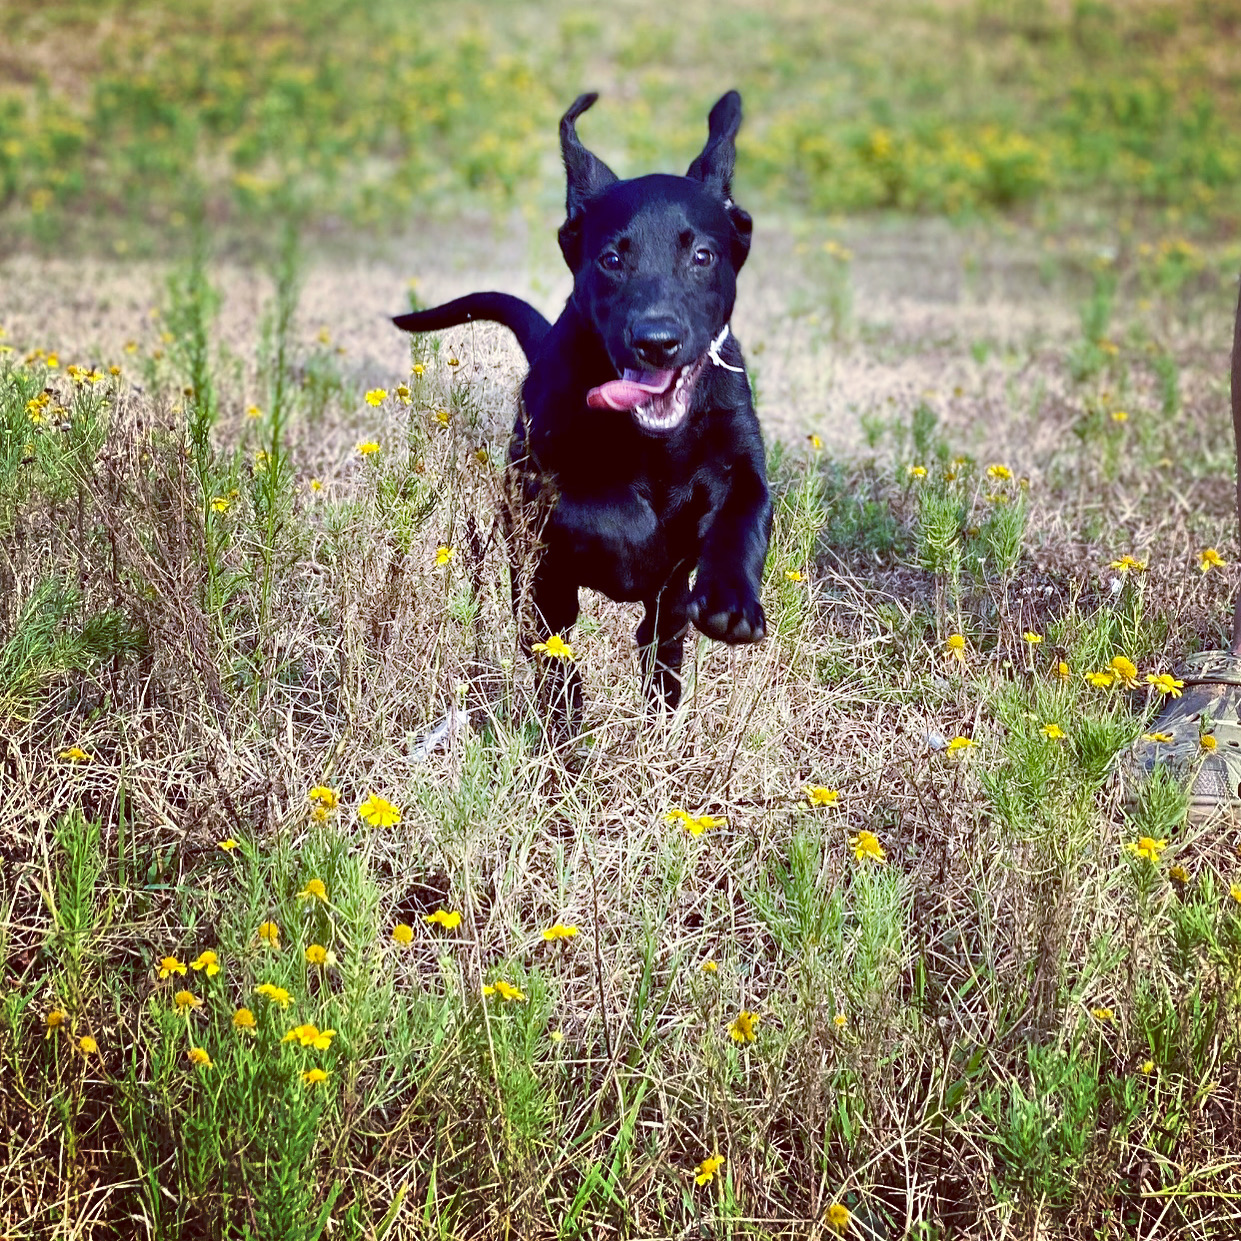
[[121, 122]]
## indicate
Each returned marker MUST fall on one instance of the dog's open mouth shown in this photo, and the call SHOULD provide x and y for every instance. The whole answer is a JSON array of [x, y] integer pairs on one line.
[[658, 400]]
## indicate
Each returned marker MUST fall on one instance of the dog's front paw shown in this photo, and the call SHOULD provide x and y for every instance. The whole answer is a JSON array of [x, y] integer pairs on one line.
[[727, 610]]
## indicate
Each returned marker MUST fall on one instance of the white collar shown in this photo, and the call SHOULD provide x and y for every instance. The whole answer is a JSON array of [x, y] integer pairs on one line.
[[714, 352]]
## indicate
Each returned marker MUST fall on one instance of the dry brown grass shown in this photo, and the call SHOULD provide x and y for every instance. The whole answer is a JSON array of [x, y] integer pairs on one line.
[[987, 933]]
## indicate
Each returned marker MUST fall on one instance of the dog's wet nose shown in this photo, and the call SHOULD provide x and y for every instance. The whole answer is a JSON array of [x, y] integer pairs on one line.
[[656, 340]]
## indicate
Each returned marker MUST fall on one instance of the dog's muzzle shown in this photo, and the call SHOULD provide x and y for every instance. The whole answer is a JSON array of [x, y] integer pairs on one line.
[[658, 400]]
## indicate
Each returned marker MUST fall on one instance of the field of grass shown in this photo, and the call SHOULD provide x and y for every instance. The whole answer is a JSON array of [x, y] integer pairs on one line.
[[865, 940]]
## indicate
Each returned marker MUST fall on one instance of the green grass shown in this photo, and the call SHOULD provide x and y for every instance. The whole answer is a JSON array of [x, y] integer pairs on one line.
[[212, 602], [370, 112], [987, 999]]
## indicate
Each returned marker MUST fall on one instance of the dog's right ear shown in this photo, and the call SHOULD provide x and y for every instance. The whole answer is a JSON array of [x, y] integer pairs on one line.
[[585, 176], [585, 172]]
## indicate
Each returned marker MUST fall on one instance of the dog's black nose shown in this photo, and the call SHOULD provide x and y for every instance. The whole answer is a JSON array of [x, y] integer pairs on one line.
[[656, 340]]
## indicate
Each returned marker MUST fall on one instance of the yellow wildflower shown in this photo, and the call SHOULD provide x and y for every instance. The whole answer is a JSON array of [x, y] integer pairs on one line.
[[1234, 891], [314, 890], [75, 754], [228, 844], [379, 812], [277, 995], [1062, 671], [916, 471], [1053, 732], [444, 554], [403, 933], [1209, 559], [253, 412], [443, 417], [368, 448], [1119, 415], [377, 396], [207, 961], [999, 471], [1179, 873], [87, 1045], [312, 1077], [1165, 683], [1147, 1067], [316, 954], [1124, 670], [315, 485], [186, 999], [170, 965], [269, 933], [554, 648], [325, 797], [1207, 742], [794, 575], [54, 1020], [310, 1035], [1127, 564], [1032, 638], [1147, 848], [866, 845], [449, 920], [1103, 1014], [198, 1056], [1100, 680], [742, 1027], [402, 393], [243, 1021], [838, 1217], [708, 1168], [417, 369], [840, 1021], [506, 991], [559, 931], [1160, 738], [957, 744], [818, 795], [695, 826], [220, 504], [815, 442], [954, 648], [709, 967]]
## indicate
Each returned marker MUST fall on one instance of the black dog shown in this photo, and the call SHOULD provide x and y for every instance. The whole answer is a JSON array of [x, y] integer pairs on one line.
[[638, 433]]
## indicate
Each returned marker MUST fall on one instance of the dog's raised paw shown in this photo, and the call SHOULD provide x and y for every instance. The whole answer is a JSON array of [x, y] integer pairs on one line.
[[728, 612]]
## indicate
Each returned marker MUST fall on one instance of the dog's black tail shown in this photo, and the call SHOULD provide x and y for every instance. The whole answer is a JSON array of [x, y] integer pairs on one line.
[[519, 317]]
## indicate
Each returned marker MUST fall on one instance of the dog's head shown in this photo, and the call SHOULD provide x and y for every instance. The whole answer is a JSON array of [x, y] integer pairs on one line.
[[655, 262]]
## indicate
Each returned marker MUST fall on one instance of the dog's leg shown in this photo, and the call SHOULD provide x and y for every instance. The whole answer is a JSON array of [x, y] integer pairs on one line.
[[725, 602], [661, 641], [554, 608]]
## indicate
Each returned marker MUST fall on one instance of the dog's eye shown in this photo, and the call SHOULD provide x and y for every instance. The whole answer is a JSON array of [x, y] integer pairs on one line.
[[611, 261], [703, 257]]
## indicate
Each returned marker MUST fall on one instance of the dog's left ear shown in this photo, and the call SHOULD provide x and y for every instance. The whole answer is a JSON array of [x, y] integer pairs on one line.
[[714, 167]]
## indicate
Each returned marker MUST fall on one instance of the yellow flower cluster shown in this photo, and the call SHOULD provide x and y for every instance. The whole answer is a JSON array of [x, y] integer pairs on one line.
[[1122, 671]]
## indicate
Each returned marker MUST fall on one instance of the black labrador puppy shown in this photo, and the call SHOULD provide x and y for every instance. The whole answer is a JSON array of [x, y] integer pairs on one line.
[[637, 435]]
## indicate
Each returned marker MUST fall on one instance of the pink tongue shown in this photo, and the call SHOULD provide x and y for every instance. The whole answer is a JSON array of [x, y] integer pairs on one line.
[[631, 391]]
